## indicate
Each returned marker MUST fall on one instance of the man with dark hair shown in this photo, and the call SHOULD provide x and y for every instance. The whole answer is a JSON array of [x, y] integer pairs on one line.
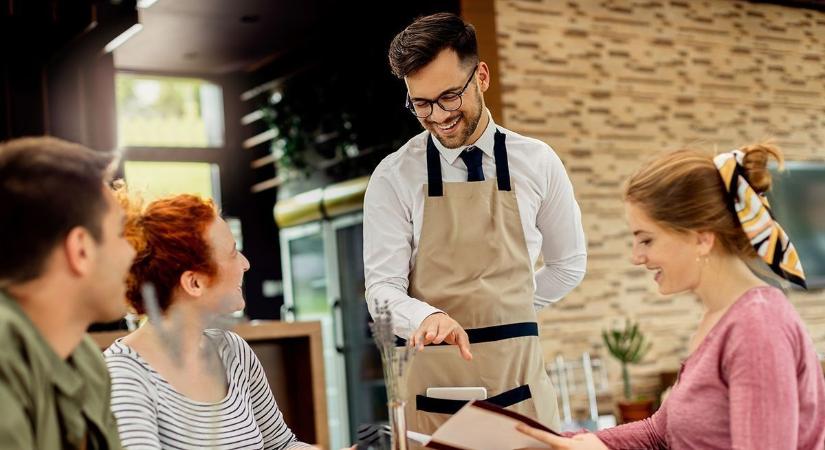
[[63, 267], [469, 229]]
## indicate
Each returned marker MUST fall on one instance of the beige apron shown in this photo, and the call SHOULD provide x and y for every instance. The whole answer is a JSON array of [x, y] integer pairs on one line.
[[473, 264]]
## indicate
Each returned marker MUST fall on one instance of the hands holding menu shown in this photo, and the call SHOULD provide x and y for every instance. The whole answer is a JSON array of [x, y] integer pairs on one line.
[[587, 441]]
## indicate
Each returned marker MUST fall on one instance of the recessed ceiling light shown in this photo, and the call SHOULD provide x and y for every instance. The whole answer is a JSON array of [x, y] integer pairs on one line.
[[145, 3], [250, 18]]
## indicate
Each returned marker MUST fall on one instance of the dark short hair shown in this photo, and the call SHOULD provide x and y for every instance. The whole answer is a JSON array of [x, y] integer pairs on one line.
[[424, 39], [47, 187]]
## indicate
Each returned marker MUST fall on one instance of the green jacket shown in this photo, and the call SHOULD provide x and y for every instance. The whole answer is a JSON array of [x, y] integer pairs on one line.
[[46, 402]]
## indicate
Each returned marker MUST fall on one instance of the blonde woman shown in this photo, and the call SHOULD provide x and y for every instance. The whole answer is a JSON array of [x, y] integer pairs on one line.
[[752, 378]]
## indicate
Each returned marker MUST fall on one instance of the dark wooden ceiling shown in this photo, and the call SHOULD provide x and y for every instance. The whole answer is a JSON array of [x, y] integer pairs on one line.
[[223, 36], [217, 36]]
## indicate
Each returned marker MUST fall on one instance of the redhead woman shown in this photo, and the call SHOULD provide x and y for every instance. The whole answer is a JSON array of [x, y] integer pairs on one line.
[[176, 384]]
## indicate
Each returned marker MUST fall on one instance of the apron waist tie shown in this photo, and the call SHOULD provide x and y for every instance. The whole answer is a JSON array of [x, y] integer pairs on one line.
[[494, 333], [445, 406]]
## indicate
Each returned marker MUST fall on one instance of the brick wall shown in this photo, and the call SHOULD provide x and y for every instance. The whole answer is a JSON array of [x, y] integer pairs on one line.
[[608, 84]]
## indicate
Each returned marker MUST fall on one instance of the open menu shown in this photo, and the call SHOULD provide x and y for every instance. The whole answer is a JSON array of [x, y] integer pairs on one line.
[[483, 426]]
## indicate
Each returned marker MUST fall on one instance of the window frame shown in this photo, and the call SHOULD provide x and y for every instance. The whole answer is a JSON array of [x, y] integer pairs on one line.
[[213, 155]]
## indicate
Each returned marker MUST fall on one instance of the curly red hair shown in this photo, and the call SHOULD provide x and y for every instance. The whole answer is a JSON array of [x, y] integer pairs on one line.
[[169, 236]]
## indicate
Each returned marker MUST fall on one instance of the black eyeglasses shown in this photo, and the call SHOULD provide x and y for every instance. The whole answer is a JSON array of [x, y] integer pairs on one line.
[[450, 101]]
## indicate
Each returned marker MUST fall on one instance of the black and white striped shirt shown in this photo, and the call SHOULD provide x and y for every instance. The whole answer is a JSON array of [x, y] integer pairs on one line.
[[151, 414]]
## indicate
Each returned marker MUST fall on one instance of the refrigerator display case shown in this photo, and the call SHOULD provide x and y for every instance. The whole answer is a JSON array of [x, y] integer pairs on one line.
[[323, 269]]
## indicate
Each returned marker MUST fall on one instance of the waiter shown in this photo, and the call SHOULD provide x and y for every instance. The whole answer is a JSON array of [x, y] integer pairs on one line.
[[456, 222]]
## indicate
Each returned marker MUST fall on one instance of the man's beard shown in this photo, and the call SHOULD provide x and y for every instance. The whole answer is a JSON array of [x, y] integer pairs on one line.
[[461, 138]]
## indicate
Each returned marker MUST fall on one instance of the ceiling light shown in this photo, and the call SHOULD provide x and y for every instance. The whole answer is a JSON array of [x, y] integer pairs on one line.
[[145, 3], [123, 37]]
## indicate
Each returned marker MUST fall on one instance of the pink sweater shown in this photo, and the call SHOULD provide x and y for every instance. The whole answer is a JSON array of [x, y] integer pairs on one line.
[[754, 383]]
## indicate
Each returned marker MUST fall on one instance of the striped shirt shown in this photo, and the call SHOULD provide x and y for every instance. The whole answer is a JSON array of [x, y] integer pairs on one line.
[[151, 414]]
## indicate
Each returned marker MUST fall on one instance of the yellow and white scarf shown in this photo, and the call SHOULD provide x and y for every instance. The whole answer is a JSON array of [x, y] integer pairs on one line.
[[755, 216]]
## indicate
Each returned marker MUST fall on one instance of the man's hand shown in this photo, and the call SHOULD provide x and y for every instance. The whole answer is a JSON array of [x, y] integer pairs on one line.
[[587, 441], [438, 328]]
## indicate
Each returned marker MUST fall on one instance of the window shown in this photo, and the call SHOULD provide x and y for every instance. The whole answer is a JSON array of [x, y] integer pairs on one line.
[[155, 111], [153, 179], [172, 131]]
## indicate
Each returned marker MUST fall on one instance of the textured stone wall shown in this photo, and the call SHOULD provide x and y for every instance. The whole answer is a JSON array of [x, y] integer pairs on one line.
[[608, 84]]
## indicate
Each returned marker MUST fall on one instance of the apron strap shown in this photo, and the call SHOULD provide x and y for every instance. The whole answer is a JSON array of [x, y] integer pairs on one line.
[[502, 166], [435, 186], [444, 406], [492, 334]]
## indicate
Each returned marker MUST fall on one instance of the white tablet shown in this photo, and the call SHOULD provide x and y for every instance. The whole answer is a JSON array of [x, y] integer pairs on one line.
[[458, 393]]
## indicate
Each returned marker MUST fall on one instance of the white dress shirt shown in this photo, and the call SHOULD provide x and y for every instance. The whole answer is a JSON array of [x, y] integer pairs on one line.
[[394, 211]]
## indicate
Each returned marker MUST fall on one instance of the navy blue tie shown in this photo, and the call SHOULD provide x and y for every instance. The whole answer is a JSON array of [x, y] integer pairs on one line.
[[472, 159]]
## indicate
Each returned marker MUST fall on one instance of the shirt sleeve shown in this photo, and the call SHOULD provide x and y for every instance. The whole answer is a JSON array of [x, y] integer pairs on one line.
[[15, 429], [643, 434], [276, 434], [133, 405], [563, 244], [388, 241], [759, 366]]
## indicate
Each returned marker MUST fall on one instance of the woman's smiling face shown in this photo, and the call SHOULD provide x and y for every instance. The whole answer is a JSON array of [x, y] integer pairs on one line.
[[671, 255]]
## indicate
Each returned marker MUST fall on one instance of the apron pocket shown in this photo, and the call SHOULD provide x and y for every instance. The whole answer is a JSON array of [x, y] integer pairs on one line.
[[445, 406]]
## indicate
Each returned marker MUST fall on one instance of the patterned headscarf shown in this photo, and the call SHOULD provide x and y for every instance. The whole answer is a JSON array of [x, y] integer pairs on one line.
[[754, 214]]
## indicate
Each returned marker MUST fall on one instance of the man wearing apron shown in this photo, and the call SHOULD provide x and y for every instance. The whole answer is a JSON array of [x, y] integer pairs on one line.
[[455, 222]]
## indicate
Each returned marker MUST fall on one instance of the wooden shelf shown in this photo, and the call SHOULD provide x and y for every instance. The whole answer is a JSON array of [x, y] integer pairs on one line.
[[252, 117], [263, 161], [260, 138], [264, 185]]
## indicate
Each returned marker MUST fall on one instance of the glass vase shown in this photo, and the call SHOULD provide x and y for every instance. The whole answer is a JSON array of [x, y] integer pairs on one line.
[[398, 425]]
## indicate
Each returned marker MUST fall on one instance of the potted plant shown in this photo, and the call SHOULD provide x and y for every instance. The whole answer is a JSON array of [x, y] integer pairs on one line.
[[629, 346]]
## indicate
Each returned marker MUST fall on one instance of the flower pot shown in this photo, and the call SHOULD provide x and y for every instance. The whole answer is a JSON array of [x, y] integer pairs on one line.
[[631, 411]]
